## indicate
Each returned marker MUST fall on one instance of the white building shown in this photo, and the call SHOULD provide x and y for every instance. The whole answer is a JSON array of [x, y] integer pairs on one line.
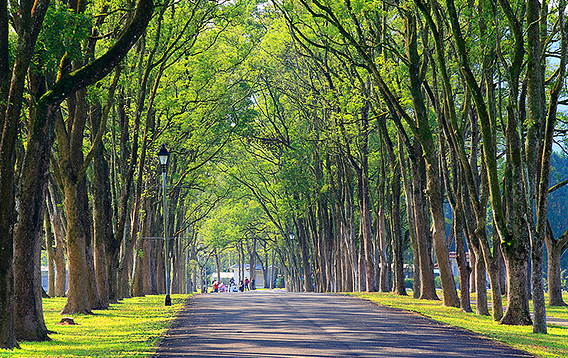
[[259, 279], [225, 276]]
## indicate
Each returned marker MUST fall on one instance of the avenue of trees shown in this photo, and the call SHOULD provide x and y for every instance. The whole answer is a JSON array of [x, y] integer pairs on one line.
[[344, 142]]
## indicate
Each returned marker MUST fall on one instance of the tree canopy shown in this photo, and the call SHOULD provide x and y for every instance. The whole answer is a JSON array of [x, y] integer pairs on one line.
[[351, 145]]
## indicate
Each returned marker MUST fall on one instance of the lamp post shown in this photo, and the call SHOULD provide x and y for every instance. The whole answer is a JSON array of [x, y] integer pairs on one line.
[[163, 155]]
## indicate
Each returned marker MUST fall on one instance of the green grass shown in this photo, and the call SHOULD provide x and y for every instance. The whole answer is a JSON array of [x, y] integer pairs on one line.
[[130, 328], [558, 312], [553, 344]]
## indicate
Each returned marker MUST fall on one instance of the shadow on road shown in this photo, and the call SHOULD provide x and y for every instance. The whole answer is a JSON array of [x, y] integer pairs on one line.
[[280, 324]]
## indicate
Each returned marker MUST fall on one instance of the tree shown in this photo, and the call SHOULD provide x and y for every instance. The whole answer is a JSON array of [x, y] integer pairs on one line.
[[34, 163], [28, 20]]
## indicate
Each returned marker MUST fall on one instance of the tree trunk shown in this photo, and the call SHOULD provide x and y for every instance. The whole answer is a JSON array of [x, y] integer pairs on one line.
[[502, 272], [473, 264], [474, 243], [252, 266], [102, 211], [433, 177], [28, 320], [125, 267], [7, 337], [362, 272], [440, 247], [241, 264], [408, 192], [182, 268], [29, 21], [77, 299], [538, 150], [381, 230], [554, 250], [382, 246], [218, 266], [318, 258], [95, 301], [481, 306], [150, 282], [139, 271], [29, 323], [427, 285], [111, 256], [265, 268], [71, 169], [364, 205], [49, 246], [517, 312], [272, 271], [395, 219], [463, 267], [56, 217], [303, 240]]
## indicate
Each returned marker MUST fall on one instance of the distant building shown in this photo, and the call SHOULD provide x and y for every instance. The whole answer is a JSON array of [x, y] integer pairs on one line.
[[45, 278], [259, 279], [225, 276]]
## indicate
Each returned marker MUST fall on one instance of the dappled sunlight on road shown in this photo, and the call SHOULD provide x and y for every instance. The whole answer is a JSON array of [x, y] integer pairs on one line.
[[280, 324]]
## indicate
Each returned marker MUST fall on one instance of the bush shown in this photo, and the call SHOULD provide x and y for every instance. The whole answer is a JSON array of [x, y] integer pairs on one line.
[[280, 282], [409, 283]]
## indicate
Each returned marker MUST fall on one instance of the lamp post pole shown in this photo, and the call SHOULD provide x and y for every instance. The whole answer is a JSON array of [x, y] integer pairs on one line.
[[163, 155]]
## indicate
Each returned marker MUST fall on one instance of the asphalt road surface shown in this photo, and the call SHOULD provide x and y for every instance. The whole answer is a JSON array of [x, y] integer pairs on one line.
[[279, 324]]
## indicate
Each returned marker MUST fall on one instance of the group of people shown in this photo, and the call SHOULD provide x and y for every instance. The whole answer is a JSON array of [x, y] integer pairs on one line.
[[243, 286]]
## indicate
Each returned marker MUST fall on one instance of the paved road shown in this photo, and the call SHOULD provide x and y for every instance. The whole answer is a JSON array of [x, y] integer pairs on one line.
[[276, 324]]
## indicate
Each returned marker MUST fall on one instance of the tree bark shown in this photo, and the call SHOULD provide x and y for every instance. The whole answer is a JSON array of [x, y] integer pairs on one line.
[[49, 246], [479, 278], [433, 177], [411, 222], [71, 162], [28, 22], [463, 266], [95, 301], [142, 278], [28, 232], [395, 221], [382, 244], [77, 299], [303, 240], [28, 320], [150, 282], [47, 104], [517, 312], [481, 305], [555, 250], [57, 219], [427, 286], [102, 200]]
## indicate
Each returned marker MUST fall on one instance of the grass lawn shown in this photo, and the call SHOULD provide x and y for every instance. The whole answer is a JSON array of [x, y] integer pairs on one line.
[[553, 344], [130, 328]]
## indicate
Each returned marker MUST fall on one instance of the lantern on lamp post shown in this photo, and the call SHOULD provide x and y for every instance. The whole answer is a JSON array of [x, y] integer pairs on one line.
[[163, 156]]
